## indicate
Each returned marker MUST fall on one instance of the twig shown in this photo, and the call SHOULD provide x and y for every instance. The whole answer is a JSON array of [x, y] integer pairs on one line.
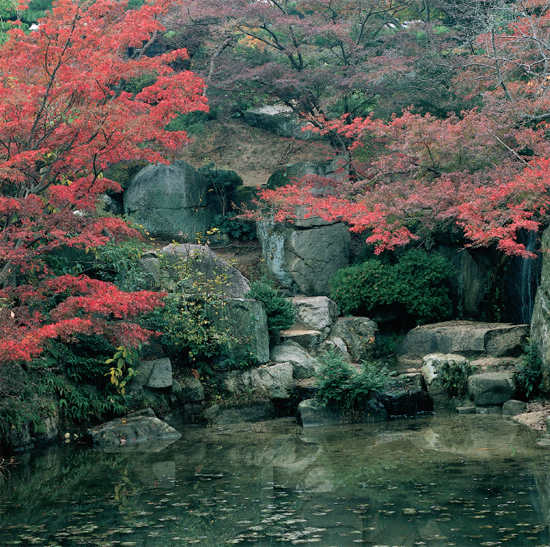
[[509, 149]]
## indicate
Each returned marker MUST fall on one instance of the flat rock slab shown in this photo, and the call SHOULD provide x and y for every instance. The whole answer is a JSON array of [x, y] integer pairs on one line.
[[469, 339], [141, 427], [534, 420]]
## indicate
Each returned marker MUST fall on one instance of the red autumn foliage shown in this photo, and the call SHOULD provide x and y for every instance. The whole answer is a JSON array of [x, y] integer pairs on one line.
[[482, 175], [64, 118]]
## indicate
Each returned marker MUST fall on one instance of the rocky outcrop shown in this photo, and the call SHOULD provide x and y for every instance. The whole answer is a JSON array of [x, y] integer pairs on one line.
[[202, 265], [169, 201], [491, 389], [273, 382], [155, 374], [303, 364], [432, 369], [540, 322], [141, 430], [188, 390], [245, 319], [356, 334], [469, 280], [305, 256], [315, 313], [336, 168], [469, 339], [278, 119]]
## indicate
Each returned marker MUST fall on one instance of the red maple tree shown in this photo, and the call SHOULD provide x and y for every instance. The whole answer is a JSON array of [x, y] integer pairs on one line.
[[483, 174], [65, 117]]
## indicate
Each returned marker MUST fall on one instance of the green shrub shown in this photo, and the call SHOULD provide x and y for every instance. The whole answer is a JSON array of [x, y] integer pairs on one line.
[[416, 284], [234, 226], [221, 183], [529, 373], [340, 384], [280, 311], [454, 379]]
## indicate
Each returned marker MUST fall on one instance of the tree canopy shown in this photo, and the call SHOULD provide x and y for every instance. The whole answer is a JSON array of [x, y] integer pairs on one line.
[[65, 117]]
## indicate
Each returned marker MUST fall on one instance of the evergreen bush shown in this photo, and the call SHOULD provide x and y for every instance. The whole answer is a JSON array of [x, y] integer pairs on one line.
[[340, 384], [418, 284], [280, 311]]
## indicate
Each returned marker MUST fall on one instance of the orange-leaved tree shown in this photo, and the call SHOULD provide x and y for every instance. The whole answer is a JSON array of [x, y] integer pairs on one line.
[[65, 117]]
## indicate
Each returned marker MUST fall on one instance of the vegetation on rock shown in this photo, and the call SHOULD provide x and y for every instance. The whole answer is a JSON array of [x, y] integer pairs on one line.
[[343, 385]]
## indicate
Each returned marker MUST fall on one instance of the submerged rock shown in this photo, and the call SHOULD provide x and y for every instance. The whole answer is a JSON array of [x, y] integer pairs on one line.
[[141, 430]]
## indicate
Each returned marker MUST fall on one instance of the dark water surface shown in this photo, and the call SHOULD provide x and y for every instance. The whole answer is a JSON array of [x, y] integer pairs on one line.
[[431, 480]]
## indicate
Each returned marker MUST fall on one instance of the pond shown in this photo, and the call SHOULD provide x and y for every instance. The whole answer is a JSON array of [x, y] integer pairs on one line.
[[431, 480]]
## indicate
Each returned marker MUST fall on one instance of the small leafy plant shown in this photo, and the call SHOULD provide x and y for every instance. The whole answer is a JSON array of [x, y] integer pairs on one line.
[[122, 371], [234, 226], [342, 385], [454, 378], [529, 372]]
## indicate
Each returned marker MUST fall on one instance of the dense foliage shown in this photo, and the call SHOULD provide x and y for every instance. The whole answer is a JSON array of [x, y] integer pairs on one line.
[[417, 285], [343, 385], [65, 118], [279, 310], [529, 378]]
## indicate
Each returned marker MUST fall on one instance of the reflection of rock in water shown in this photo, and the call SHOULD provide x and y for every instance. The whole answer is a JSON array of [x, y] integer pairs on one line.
[[542, 480]]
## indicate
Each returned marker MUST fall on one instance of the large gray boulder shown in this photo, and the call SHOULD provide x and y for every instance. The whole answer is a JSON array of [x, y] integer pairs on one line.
[[155, 374], [357, 333], [138, 428], [491, 388], [246, 321], [469, 339], [304, 258], [199, 264], [170, 201], [316, 313], [303, 364], [540, 322], [273, 382], [336, 168]]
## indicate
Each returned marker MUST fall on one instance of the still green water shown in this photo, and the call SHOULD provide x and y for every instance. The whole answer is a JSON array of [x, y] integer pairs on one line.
[[431, 480]]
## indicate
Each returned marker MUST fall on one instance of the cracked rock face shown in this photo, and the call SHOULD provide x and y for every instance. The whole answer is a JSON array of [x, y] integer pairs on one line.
[[304, 259], [170, 201]]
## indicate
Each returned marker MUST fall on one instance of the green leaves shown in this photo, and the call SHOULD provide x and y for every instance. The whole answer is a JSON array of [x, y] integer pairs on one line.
[[417, 283], [343, 385]]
